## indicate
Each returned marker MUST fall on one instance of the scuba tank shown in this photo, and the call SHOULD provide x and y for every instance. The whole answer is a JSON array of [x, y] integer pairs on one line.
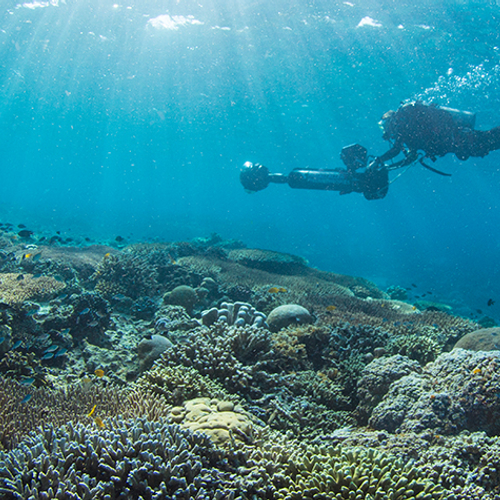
[[462, 119]]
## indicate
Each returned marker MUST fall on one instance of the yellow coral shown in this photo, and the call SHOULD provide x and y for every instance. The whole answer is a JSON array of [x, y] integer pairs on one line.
[[16, 288]]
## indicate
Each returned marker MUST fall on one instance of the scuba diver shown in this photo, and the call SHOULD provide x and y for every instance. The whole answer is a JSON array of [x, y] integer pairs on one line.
[[436, 131], [417, 130]]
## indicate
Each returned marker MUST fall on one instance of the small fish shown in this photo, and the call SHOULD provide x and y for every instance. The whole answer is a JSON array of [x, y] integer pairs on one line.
[[94, 323], [21, 226], [43, 238], [119, 239], [92, 411], [414, 308], [331, 308], [36, 257], [479, 311], [43, 337], [62, 296], [51, 348], [25, 233], [46, 356], [99, 422], [20, 277], [26, 398], [37, 275], [476, 371], [282, 290], [17, 344], [106, 255], [273, 289], [413, 285], [85, 311], [26, 256], [61, 352], [119, 296], [27, 381], [99, 372], [490, 302]]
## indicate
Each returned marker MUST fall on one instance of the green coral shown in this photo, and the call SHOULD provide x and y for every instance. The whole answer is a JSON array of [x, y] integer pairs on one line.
[[356, 473]]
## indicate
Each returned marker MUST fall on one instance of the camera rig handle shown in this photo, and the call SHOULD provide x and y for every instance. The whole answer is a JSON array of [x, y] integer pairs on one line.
[[373, 182]]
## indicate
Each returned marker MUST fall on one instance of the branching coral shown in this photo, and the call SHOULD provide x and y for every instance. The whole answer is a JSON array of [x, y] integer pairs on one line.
[[129, 459]]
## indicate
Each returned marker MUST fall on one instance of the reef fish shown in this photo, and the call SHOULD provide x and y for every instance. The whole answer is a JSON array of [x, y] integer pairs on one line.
[[47, 355], [27, 381], [26, 398], [99, 372]]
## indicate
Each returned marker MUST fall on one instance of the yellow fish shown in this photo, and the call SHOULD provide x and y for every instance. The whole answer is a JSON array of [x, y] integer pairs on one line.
[[99, 373], [282, 290], [27, 255], [91, 411], [273, 289], [99, 422], [476, 371], [331, 308], [106, 255]]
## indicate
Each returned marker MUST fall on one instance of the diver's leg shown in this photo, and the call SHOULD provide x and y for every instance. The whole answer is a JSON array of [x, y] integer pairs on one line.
[[476, 142]]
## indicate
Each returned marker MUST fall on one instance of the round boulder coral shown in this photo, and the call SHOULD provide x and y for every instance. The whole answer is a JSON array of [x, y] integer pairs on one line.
[[486, 339], [182, 295], [286, 315]]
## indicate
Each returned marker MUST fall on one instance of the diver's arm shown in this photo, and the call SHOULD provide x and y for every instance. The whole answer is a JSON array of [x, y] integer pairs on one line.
[[393, 152]]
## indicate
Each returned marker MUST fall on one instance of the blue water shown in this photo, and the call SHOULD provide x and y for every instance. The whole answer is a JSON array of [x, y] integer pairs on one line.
[[135, 118]]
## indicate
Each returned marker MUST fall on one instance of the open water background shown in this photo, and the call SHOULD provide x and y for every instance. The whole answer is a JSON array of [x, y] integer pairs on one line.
[[134, 119]]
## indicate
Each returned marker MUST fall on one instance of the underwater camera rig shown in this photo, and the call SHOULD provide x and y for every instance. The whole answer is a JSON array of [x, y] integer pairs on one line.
[[373, 181]]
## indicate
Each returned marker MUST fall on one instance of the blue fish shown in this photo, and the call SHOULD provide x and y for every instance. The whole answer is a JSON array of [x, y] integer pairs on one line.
[[51, 348], [26, 398], [48, 355], [61, 352], [85, 311], [27, 381], [17, 344], [2, 340]]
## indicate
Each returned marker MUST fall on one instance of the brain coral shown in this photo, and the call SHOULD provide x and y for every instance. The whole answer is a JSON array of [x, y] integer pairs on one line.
[[16, 288]]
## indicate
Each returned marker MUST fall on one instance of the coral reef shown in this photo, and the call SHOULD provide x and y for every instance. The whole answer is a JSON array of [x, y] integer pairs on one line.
[[457, 391], [287, 315], [354, 473], [129, 459], [23, 408], [238, 314], [223, 421], [267, 260], [16, 288], [485, 339]]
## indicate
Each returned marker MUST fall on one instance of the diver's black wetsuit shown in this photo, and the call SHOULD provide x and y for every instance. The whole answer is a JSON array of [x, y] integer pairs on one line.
[[419, 127]]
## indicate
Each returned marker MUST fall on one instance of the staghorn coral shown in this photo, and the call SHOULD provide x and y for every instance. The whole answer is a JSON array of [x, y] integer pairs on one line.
[[17, 288], [127, 459]]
